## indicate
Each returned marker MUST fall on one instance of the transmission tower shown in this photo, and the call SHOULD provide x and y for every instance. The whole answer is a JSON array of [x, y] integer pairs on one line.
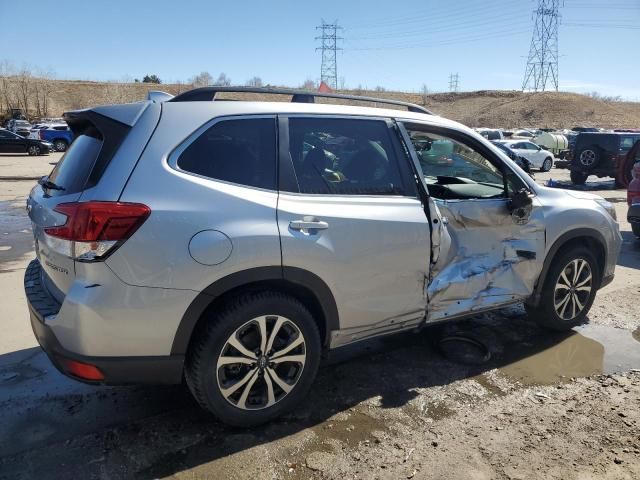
[[453, 82], [542, 63], [329, 46]]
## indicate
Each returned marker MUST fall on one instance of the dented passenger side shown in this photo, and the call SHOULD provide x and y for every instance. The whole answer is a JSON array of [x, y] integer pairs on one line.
[[487, 243]]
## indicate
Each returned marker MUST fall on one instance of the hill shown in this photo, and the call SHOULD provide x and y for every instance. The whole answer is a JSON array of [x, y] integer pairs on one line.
[[489, 108]]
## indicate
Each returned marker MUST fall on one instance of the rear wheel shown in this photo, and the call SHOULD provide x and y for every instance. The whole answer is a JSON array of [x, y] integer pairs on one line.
[[589, 157], [578, 178], [60, 145], [569, 290], [255, 359], [547, 164]]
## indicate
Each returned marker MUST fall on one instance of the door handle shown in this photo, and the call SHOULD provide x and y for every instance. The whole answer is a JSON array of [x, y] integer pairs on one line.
[[305, 224]]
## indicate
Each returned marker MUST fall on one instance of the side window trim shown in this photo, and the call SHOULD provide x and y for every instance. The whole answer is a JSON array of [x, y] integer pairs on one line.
[[174, 155], [287, 178], [467, 140]]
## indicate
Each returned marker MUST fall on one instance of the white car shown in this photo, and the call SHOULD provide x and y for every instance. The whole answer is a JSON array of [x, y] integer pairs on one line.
[[538, 157]]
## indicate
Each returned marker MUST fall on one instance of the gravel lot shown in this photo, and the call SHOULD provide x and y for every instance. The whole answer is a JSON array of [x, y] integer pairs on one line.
[[543, 406]]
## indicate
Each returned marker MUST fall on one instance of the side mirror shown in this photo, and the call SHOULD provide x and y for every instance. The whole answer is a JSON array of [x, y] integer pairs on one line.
[[520, 205]]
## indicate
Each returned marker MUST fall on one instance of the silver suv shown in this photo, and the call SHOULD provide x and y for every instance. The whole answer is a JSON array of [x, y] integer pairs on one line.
[[231, 243]]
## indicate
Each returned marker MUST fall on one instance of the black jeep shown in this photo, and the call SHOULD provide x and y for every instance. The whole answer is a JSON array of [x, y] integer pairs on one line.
[[602, 154]]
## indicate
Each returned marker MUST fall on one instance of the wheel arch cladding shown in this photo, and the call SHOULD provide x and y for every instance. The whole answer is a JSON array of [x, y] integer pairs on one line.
[[307, 287], [584, 237]]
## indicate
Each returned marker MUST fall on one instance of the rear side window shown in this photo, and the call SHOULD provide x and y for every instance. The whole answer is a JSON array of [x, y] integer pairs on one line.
[[239, 151], [344, 157], [73, 169]]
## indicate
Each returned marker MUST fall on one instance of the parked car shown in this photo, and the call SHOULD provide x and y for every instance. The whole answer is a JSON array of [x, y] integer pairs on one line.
[[633, 190], [523, 134], [490, 133], [602, 154], [537, 156], [522, 162], [13, 143], [60, 135], [231, 243], [35, 130], [21, 127]]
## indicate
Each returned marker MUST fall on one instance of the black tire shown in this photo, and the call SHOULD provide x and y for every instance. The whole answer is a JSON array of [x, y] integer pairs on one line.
[[33, 150], [210, 341], [635, 228], [546, 314], [60, 145], [547, 164], [588, 157], [578, 178]]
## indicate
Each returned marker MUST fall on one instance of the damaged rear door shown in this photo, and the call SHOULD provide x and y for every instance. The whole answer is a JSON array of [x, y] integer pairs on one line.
[[486, 253]]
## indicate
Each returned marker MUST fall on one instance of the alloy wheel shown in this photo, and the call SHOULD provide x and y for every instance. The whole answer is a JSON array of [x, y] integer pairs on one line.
[[261, 362], [573, 289], [33, 150], [588, 158]]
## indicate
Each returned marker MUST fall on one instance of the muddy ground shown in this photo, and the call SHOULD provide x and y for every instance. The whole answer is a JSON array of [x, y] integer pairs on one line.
[[407, 406]]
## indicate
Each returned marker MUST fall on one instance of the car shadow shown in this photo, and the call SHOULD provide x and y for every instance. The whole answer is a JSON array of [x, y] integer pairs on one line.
[[51, 422]]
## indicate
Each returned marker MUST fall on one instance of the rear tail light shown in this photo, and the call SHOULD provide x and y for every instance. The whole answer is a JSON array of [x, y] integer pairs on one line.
[[82, 370], [94, 230]]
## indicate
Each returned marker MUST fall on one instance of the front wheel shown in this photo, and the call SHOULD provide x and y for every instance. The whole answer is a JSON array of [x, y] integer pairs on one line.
[[568, 291], [547, 164], [254, 359], [33, 150], [60, 145]]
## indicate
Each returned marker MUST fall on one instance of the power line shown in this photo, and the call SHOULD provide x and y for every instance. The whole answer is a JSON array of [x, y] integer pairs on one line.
[[454, 40], [542, 63], [329, 47]]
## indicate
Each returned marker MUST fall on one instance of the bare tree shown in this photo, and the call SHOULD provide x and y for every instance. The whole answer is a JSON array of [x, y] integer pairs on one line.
[[254, 82], [24, 83], [223, 80], [203, 79], [308, 85], [380, 89]]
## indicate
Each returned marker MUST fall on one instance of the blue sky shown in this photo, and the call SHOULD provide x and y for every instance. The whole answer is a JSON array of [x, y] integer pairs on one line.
[[398, 45]]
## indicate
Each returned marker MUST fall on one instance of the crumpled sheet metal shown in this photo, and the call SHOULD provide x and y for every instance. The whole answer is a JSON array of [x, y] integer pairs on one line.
[[480, 270]]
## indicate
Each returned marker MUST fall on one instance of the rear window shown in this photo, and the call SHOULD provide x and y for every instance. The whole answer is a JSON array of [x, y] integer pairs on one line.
[[239, 151], [74, 167]]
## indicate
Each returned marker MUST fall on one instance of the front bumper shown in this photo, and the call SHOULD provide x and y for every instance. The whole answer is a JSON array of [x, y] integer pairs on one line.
[[116, 370]]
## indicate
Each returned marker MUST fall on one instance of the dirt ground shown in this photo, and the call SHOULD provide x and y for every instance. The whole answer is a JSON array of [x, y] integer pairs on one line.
[[563, 406]]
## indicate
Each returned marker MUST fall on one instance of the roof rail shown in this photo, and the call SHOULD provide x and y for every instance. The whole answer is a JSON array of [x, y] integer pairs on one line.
[[205, 94]]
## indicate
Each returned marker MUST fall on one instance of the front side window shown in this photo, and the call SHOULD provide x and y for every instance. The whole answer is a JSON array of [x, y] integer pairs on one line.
[[239, 151], [344, 157], [454, 170]]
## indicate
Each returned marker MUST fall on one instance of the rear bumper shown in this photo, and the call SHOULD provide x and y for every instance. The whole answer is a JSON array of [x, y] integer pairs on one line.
[[116, 370]]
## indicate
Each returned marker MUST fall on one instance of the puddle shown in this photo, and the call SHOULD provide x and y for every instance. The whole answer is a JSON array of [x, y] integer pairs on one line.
[[355, 428], [590, 350]]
